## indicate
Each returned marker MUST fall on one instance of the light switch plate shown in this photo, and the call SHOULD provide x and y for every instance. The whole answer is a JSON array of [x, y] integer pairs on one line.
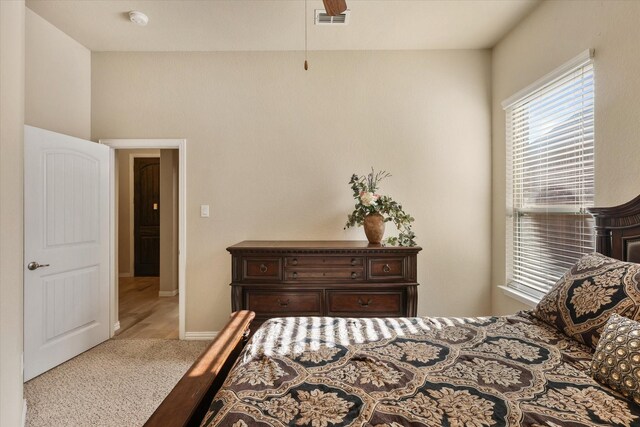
[[204, 211]]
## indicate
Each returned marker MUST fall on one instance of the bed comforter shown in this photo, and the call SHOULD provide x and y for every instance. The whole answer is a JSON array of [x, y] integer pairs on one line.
[[493, 371]]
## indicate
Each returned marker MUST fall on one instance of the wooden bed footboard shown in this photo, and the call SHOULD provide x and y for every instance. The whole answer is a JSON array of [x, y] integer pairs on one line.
[[189, 400]]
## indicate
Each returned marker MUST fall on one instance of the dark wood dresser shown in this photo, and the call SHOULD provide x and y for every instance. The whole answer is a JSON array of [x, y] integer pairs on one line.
[[323, 278]]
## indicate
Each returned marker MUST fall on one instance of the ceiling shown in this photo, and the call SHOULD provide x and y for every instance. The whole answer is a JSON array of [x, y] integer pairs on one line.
[[267, 25]]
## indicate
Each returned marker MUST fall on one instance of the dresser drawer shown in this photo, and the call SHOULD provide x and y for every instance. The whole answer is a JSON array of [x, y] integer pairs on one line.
[[363, 304], [276, 303], [323, 261], [387, 268], [261, 269], [319, 274]]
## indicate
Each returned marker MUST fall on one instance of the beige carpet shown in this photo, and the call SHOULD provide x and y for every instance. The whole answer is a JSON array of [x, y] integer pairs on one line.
[[116, 384]]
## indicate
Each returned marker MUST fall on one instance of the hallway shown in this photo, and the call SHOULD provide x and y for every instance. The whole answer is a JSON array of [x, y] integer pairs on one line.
[[142, 313]]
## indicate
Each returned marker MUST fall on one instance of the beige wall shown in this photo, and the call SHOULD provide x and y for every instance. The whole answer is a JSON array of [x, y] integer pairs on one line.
[[58, 80], [554, 33], [12, 29], [124, 158], [168, 222], [271, 149]]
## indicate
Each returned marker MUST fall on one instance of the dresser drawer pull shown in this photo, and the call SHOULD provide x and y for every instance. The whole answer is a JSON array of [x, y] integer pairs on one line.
[[386, 268], [295, 274], [294, 261], [283, 303], [353, 261], [364, 304], [263, 268], [354, 275]]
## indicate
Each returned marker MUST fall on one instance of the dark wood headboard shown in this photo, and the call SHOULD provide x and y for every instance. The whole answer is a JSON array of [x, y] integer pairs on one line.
[[618, 230]]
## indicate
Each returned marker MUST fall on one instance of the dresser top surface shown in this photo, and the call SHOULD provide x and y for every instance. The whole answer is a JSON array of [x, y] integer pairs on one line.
[[359, 245]]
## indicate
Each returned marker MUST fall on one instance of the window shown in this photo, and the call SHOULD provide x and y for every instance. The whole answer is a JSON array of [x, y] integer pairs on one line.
[[550, 176]]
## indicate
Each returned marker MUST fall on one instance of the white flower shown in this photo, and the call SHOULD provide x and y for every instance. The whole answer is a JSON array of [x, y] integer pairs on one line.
[[368, 198]]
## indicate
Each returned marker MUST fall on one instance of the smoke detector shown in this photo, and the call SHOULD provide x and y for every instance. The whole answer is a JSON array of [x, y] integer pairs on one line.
[[322, 18], [138, 18]]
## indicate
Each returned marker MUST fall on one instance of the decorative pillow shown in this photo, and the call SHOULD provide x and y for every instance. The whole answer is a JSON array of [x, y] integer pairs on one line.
[[583, 299], [616, 362]]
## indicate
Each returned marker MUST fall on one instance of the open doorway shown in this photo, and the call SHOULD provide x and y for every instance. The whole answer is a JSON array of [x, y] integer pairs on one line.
[[177, 150], [147, 243]]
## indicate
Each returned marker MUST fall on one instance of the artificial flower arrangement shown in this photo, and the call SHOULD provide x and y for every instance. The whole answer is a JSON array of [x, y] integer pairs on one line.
[[371, 207]]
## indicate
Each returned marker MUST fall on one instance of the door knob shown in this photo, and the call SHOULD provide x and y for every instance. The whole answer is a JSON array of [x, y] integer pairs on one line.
[[34, 265]]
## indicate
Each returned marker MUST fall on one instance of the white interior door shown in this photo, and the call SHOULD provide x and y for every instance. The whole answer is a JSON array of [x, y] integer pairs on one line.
[[66, 276]]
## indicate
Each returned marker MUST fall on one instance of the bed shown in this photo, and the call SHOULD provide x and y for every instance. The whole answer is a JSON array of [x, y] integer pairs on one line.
[[531, 368]]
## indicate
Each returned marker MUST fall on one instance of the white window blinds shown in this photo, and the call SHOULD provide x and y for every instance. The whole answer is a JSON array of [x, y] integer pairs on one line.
[[550, 143]]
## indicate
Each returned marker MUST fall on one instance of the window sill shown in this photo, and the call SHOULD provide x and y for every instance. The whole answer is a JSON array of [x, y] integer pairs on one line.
[[519, 296]]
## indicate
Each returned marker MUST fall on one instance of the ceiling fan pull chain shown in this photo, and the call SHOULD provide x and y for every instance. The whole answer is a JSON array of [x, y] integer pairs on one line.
[[306, 64]]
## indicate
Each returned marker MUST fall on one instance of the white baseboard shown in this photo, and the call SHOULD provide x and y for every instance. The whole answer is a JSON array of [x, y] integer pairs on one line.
[[116, 326], [125, 275], [24, 412], [172, 293], [200, 336]]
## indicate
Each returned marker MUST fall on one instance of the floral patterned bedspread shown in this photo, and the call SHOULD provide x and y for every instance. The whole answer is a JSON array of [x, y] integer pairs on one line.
[[493, 371]]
